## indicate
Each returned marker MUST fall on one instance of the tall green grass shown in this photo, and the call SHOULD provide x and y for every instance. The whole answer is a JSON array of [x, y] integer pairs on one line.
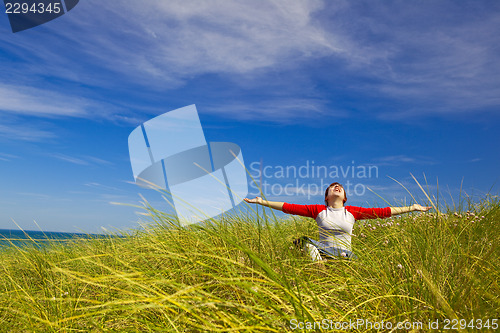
[[241, 274]]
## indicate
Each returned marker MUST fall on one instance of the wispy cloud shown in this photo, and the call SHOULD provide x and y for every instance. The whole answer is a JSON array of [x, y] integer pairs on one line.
[[24, 132], [191, 38], [27, 111], [395, 160], [38, 102], [437, 58], [97, 160], [7, 157], [82, 160], [443, 66], [177, 39], [17, 100], [281, 110], [70, 159], [103, 187]]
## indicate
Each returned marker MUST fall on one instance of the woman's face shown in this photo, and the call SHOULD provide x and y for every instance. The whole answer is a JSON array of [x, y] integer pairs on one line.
[[336, 191]]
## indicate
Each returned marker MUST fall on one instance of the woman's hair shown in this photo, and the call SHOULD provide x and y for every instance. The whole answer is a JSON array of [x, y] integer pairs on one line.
[[332, 184]]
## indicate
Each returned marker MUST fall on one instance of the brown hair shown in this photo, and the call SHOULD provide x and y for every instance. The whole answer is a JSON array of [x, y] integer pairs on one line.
[[332, 184]]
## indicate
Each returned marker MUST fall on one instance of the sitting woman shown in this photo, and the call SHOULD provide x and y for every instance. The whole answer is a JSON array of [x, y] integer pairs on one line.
[[335, 221]]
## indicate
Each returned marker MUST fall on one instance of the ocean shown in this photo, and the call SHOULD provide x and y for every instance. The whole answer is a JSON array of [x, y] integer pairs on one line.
[[10, 238]]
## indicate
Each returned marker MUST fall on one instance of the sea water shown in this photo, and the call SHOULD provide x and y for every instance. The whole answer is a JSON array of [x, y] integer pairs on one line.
[[21, 238]]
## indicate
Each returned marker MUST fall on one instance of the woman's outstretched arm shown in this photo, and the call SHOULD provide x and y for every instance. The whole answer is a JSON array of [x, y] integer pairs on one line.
[[412, 208], [273, 204]]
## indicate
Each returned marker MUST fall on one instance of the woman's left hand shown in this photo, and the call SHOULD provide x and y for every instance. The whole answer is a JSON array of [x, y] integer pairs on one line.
[[417, 207]]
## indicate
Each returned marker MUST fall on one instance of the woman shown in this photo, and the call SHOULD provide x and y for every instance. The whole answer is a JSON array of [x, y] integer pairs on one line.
[[335, 221]]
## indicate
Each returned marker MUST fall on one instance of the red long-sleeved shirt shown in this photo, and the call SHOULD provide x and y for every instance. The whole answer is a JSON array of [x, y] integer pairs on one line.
[[335, 224]]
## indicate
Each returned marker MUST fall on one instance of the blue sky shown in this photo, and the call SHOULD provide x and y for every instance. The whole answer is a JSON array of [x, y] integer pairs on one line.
[[406, 87]]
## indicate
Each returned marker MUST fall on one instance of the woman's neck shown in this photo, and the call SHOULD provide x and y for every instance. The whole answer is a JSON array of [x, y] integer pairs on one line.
[[336, 204]]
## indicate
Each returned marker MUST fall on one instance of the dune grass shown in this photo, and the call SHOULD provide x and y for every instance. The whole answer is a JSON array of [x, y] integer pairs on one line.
[[241, 274]]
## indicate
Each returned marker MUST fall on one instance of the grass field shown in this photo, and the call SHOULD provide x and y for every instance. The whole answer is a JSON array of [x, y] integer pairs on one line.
[[240, 274]]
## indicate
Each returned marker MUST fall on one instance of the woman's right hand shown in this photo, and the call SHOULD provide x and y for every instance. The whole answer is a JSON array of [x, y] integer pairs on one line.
[[257, 200]]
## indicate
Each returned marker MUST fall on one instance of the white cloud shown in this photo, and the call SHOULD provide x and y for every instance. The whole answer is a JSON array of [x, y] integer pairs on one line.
[[24, 132], [276, 109], [18, 102], [23, 100], [97, 160], [83, 160], [70, 159], [395, 160], [438, 58], [167, 43], [191, 38], [162, 45], [7, 157], [101, 186]]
